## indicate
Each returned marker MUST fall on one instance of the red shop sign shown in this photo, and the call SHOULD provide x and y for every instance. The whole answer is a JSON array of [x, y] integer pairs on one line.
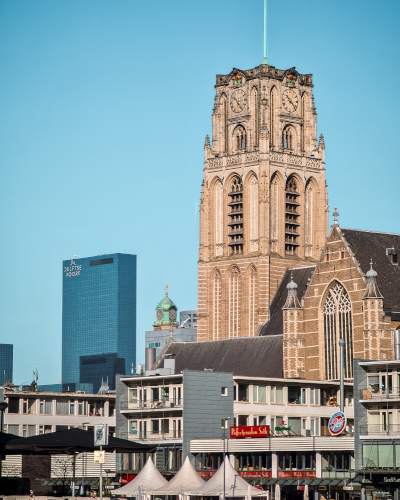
[[246, 431], [311, 474], [255, 474]]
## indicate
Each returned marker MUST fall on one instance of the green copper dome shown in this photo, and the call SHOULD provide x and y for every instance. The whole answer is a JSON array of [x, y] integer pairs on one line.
[[166, 311]]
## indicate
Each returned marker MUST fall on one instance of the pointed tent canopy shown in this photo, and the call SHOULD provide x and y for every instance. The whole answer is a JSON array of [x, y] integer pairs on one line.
[[186, 479], [148, 479], [235, 486]]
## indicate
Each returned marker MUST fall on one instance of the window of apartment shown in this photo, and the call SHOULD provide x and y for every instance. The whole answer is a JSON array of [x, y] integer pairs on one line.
[[224, 391], [28, 430], [133, 427], [296, 395], [277, 394], [243, 392], [262, 420], [72, 407], [165, 425], [314, 396], [13, 429], [260, 393], [349, 398], [165, 393], [133, 395], [329, 396], [44, 429], [314, 427], [302, 460], [155, 426], [243, 420], [46, 407], [61, 407], [111, 409], [81, 407], [155, 393], [339, 460], [29, 406], [252, 461], [295, 425], [14, 405]]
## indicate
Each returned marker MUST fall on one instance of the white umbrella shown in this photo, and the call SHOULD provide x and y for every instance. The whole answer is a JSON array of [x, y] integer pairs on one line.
[[306, 496], [249, 492], [277, 492]]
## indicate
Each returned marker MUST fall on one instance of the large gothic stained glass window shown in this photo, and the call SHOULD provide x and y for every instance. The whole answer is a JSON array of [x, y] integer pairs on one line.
[[337, 325]]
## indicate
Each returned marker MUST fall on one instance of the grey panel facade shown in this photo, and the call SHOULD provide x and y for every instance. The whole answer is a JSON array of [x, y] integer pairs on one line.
[[205, 406], [360, 411], [158, 338]]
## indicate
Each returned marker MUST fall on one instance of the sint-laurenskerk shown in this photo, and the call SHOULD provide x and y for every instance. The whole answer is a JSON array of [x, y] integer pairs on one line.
[[264, 201]]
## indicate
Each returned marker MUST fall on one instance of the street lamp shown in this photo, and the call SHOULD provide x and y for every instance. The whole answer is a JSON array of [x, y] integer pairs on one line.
[[224, 420], [329, 468]]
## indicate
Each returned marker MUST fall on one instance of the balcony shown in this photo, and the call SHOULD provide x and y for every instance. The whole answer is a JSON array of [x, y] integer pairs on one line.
[[156, 436], [380, 430], [236, 221], [238, 241], [371, 395], [235, 232], [151, 405]]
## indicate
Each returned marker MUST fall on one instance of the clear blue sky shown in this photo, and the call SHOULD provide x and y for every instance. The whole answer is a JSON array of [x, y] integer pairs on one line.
[[104, 107]]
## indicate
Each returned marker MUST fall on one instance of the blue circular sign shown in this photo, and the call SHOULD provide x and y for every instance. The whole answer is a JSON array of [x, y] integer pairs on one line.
[[337, 423]]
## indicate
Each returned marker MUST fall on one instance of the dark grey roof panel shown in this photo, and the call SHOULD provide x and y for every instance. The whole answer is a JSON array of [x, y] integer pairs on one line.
[[301, 277], [248, 356], [370, 244]]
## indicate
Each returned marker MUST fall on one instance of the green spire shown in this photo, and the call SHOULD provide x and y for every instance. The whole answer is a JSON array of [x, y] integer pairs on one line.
[[166, 311], [265, 34]]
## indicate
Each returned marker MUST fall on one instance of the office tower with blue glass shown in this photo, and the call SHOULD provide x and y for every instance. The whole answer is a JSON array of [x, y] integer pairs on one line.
[[98, 319], [6, 363]]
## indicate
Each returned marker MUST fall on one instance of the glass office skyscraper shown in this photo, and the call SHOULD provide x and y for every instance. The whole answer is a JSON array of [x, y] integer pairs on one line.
[[98, 316], [6, 363]]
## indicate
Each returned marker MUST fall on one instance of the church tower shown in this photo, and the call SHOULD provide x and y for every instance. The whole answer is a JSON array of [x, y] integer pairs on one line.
[[263, 202]]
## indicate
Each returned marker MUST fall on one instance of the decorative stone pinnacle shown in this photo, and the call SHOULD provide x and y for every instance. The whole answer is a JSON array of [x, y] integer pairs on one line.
[[336, 215], [321, 142], [207, 143]]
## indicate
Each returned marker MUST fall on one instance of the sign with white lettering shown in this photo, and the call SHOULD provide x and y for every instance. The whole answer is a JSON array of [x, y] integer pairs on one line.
[[72, 270]]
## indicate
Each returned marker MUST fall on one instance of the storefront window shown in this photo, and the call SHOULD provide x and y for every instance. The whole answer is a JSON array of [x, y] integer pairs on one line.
[[385, 452], [253, 461], [296, 460], [339, 460]]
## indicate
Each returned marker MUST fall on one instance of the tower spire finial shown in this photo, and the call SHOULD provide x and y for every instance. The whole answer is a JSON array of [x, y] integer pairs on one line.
[[265, 34], [335, 215]]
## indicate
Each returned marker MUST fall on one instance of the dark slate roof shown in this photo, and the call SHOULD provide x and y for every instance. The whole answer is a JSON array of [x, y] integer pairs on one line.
[[370, 244], [247, 356], [301, 277]]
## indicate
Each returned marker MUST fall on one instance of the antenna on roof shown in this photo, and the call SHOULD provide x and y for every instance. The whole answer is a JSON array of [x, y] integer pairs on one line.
[[265, 35]]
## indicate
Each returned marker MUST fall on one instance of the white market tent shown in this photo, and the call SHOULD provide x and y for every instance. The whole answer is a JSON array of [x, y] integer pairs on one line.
[[148, 479], [185, 479], [235, 486]]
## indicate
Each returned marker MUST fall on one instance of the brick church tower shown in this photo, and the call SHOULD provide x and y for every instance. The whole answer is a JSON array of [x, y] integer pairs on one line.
[[263, 202]]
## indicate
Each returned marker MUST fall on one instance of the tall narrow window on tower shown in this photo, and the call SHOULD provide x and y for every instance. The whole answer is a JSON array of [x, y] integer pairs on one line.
[[292, 217], [303, 121], [216, 316], [235, 217], [239, 138], [308, 221], [288, 136], [255, 116], [234, 300], [252, 301], [219, 247], [254, 215], [274, 215], [271, 118], [225, 122]]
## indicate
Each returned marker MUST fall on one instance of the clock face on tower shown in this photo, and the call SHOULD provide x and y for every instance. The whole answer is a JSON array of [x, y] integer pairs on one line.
[[159, 314], [172, 314], [238, 101], [290, 100]]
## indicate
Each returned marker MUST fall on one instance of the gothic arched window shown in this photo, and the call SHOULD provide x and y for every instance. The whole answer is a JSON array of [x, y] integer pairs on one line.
[[216, 313], [288, 138], [219, 219], [308, 220], [253, 214], [303, 116], [234, 301], [292, 217], [252, 301], [337, 325], [240, 137], [235, 216]]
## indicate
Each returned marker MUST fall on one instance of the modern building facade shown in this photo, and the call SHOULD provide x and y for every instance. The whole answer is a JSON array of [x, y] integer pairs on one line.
[[99, 318], [188, 319], [159, 338], [32, 412], [6, 363], [264, 204]]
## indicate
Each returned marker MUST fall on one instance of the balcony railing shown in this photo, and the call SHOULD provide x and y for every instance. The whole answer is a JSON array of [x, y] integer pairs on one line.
[[152, 404], [381, 429], [156, 436], [380, 393]]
